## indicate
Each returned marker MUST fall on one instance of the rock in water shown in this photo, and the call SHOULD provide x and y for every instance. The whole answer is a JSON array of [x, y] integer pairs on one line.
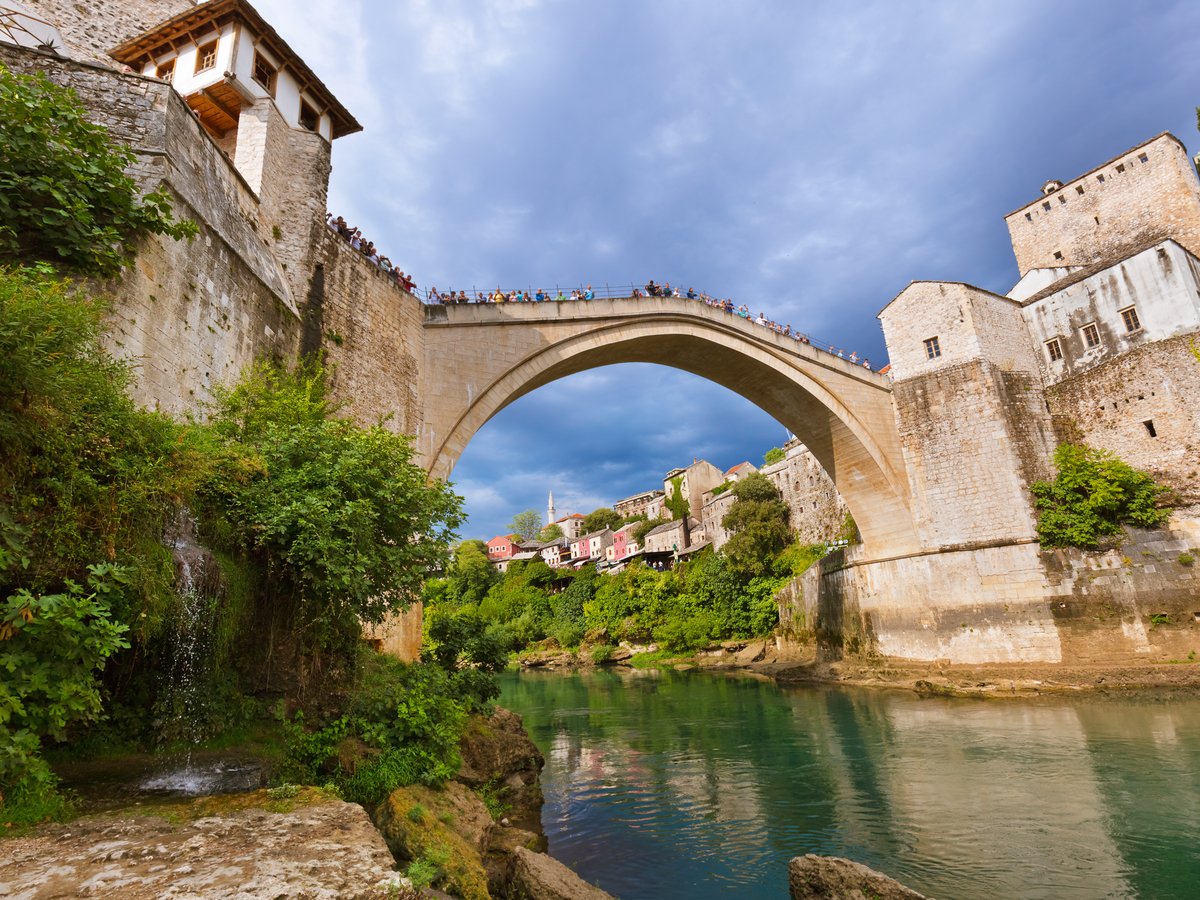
[[535, 876], [811, 877]]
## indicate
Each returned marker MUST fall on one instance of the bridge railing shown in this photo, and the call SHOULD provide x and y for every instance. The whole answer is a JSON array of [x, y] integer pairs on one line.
[[632, 292]]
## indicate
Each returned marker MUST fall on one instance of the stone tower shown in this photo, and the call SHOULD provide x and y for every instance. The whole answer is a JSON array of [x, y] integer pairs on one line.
[[550, 516]]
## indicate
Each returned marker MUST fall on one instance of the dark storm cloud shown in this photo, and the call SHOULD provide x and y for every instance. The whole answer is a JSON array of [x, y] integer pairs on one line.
[[807, 159]]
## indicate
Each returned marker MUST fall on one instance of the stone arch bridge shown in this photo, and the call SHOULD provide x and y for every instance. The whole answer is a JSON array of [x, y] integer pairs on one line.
[[481, 357]]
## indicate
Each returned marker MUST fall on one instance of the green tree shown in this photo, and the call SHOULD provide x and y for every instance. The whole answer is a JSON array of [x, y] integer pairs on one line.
[[599, 519], [526, 524], [759, 525], [339, 516], [1092, 496], [471, 575], [774, 455], [551, 532], [64, 194]]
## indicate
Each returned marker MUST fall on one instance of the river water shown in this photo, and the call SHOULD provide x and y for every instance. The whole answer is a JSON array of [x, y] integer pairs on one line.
[[681, 785]]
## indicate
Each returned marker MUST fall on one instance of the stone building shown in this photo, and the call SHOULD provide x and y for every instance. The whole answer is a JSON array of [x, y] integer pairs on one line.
[[817, 511], [647, 503], [694, 480], [671, 538]]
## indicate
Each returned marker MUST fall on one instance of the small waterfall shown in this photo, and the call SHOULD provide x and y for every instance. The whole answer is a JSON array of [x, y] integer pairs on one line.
[[183, 703]]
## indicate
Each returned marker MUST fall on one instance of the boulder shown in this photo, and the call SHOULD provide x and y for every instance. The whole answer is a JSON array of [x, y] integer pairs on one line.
[[751, 653], [326, 850], [412, 832], [833, 877], [498, 754], [535, 876]]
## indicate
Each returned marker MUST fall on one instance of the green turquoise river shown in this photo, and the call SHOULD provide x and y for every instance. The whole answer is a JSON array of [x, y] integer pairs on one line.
[[679, 785]]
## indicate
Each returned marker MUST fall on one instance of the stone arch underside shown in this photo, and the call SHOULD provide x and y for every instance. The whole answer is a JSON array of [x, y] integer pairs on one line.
[[846, 422]]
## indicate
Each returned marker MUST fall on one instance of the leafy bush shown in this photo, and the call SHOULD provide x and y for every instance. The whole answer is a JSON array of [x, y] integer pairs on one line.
[[339, 516], [64, 194], [774, 455], [759, 523], [407, 716], [1092, 496], [469, 653]]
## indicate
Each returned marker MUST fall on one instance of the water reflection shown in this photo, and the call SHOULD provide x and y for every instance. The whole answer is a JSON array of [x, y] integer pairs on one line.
[[678, 785]]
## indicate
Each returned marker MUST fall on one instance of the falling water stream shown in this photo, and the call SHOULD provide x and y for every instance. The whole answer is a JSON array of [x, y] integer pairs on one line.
[[198, 584]]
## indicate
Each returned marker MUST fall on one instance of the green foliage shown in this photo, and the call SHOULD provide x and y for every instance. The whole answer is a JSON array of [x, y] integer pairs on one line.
[[774, 455], [758, 522], [1185, 559], [409, 718], [469, 653], [526, 525], [849, 531], [64, 194], [339, 516], [1093, 495], [493, 796], [601, 653], [722, 488], [470, 575], [551, 532], [599, 519], [677, 504], [416, 814], [423, 872]]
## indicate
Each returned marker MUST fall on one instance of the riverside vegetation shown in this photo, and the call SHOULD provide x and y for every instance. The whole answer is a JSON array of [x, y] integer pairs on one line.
[[713, 597], [314, 528]]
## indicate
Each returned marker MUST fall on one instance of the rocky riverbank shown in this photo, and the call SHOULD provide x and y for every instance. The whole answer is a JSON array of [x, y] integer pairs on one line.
[[476, 837], [789, 663]]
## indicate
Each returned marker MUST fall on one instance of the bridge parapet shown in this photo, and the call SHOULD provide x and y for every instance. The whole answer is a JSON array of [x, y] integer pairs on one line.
[[634, 308]]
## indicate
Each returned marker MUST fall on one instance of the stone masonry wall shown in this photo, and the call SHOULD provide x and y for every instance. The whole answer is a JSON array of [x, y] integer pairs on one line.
[[90, 28], [973, 436], [1107, 213], [373, 334], [1009, 604], [1108, 406], [188, 314]]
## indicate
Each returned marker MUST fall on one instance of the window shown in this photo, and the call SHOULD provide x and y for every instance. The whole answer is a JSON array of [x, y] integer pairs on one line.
[[166, 71], [1120, 167], [1130, 317], [1149, 423], [309, 117], [1046, 205], [1100, 178], [1054, 348], [1058, 254], [206, 57], [932, 348], [1029, 216], [1091, 334], [264, 73], [1079, 188], [1142, 157], [1062, 198]]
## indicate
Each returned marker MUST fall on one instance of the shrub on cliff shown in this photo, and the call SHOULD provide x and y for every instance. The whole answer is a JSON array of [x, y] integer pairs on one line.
[[1092, 496], [339, 517], [64, 194]]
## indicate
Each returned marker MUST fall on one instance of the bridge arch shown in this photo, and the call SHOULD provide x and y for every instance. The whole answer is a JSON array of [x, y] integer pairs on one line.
[[481, 358]]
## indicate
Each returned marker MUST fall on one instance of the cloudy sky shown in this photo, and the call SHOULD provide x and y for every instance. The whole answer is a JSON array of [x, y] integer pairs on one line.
[[808, 159]]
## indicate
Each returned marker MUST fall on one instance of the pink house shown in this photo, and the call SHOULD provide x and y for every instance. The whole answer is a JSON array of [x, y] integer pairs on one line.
[[501, 547], [623, 542]]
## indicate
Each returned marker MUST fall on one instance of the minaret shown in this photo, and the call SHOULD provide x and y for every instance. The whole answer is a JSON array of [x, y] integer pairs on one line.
[[550, 510]]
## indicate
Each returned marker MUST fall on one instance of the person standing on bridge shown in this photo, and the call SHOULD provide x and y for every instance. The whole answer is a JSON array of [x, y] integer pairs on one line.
[[589, 294]]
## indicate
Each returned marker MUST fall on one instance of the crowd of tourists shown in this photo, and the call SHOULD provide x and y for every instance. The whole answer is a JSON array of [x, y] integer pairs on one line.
[[354, 237], [651, 290]]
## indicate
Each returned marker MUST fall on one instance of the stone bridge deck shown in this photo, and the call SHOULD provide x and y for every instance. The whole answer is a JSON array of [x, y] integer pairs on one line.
[[481, 357]]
